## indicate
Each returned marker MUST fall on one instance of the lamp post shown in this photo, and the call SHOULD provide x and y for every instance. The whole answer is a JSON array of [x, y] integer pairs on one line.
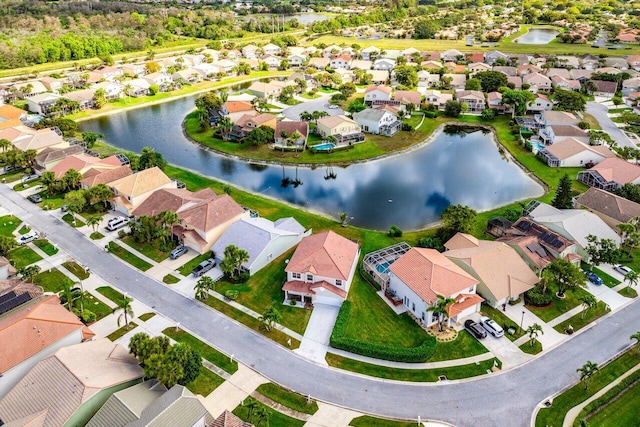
[[522, 320]]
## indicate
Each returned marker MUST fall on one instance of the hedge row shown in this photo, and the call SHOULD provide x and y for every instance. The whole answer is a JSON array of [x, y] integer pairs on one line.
[[377, 351], [606, 398]]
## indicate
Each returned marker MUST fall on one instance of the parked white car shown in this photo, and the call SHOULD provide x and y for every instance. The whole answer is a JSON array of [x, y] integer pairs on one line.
[[28, 237], [492, 327]]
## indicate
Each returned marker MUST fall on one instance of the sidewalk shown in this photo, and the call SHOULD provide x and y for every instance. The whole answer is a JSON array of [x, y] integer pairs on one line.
[[233, 391], [522, 316], [331, 416]]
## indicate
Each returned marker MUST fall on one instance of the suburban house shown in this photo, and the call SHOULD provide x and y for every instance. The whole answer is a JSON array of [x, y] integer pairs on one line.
[[502, 274], [473, 98], [271, 61], [149, 404], [264, 90], [224, 65], [6, 270], [562, 118], [612, 209], [451, 55], [83, 163], [377, 93], [248, 122], [437, 98], [380, 122], [628, 86], [130, 191], [68, 387], [384, 64], [419, 276], [477, 67], [346, 76], [41, 326], [457, 81], [491, 56], [370, 53], [263, 239], [134, 70], [340, 127], [494, 101], [250, 51], [516, 81], [203, 216], [506, 70], [340, 62], [271, 49], [95, 176], [321, 269], [537, 82], [25, 138], [604, 88], [538, 245], [526, 69], [570, 152], [49, 157], [285, 129], [379, 77], [108, 72], [408, 97], [52, 84], [634, 61], [360, 64], [236, 109], [556, 133], [541, 103], [10, 116], [319, 63], [611, 174], [427, 79], [296, 60], [42, 103]]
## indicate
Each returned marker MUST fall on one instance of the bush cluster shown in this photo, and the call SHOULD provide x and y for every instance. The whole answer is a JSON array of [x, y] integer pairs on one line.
[[537, 298], [378, 351]]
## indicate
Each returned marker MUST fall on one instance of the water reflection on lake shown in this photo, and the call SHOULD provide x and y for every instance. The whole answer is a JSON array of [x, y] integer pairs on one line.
[[537, 36]]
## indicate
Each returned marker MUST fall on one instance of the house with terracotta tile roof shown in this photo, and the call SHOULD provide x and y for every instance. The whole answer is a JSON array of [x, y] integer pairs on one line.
[[612, 209], [473, 98], [264, 90], [228, 419], [437, 98], [419, 276], [248, 122], [130, 191], [342, 62], [537, 82], [556, 133], [321, 269], [95, 176], [32, 332], [286, 128], [502, 274], [82, 163], [611, 174], [408, 97], [68, 387], [541, 103], [10, 116], [49, 157], [570, 152], [24, 138], [14, 292]]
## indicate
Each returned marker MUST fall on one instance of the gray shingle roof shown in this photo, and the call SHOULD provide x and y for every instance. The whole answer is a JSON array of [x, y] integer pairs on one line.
[[178, 407]]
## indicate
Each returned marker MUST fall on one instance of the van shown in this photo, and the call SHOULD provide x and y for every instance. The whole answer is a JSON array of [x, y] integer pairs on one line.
[[117, 223]]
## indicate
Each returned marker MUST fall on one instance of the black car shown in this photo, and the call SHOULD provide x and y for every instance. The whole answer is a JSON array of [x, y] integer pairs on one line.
[[203, 267], [35, 198], [475, 329]]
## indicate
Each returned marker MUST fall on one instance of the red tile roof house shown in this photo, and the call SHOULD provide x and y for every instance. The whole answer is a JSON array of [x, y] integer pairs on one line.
[[611, 174], [321, 269], [420, 275]]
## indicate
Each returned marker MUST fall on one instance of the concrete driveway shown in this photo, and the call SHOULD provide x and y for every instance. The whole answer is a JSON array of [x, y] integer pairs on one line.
[[599, 111], [316, 337], [320, 104]]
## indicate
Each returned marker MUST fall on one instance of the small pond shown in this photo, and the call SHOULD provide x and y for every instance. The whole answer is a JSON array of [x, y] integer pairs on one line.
[[303, 18], [537, 36]]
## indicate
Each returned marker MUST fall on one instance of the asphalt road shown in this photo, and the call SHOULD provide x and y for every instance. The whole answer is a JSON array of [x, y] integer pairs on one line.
[[599, 111], [503, 399], [320, 104]]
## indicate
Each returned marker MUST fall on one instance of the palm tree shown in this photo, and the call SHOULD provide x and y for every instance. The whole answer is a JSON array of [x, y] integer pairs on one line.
[[224, 125], [4, 144], [440, 309], [68, 294], [50, 182], [533, 332], [636, 337], [93, 222], [588, 301], [124, 304], [203, 286], [168, 218], [587, 371], [632, 278], [270, 317], [71, 179]]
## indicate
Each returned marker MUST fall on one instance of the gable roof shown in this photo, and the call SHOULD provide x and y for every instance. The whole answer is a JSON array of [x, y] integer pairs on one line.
[[82, 162], [325, 254], [617, 170], [569, 130], [333, 121], [105, 176], [606, 87], [51, 154], [372, 114], [228, 419], [10, 116], [609, 204], [237, 106], [35, 139], [170, 199], [178, 406], [408, 96], [384, 89], [429, 273], [496, 264], [292, 126], [571, 146], [141, 182], [211, 213]]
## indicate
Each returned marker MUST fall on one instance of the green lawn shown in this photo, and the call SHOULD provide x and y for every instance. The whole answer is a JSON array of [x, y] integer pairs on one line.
[[28, 184], [128, 257], [146, 316], [559, 306], [23, 256], [214, 356], [527, 347], [465, 345], [205, 382], [24, 230], [578, 322], [120, 332], [13, 176], [368, 421], [69, 219], [8, 224], [251, 322], [100, 309], [628, 292], [50, 281], [265, 288], [621, 412], [96, 235], [307, 95], [76, 269], [150, 250], [46, 246], [554, 415], [170, 279], [185, 270], [288, 398], [111, 294], [503, 320], [275, 418], [412, 375]]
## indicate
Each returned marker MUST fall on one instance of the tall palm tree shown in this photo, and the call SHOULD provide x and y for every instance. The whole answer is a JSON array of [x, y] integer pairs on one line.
[[587, 371], [533, 332], [50, 182], [68, 295], [224, 125], [203, 286], [270, 317], [588, 301], [71, 179], [93, 222], [632, 278], [440, 308], [168, 219], [636, 337], [4, 144], [124, 305]]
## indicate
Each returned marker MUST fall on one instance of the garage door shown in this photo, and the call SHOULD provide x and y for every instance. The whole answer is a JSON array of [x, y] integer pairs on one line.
[[327, 297]]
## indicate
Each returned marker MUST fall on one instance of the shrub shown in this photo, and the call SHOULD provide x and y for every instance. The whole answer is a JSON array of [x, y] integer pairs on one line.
[[395, 231], [584, 125], [87, 317], [407, 127], [338, 97], [232, 294], [293, 303], [536, 298], [431, 243], [431, 114], [378, 351], [122, 234]]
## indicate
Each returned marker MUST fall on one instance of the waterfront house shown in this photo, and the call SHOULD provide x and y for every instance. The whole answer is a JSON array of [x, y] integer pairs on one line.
[[42, 103], [494, 101], [11, 116], [550, 118], [83, 163], [437, 98], [24, 138], [49, 157], [408, 97], [611, 208], [85, 98], [264, 90], [344, 129], [248, 122], [271, 61], [378, 121], [611, 174], [112, 90], [556, 133], [286, 128], [571, 152], [377, 93], [473, 98], [236, 109]]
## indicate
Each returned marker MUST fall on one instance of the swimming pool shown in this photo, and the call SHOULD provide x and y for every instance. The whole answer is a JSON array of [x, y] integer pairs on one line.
[[325, 147], [384, 267], [536, 147]]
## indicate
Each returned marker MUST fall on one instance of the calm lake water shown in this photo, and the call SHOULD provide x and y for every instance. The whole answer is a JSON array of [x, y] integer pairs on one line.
[[303, 18], [537, 36], [408, 190]]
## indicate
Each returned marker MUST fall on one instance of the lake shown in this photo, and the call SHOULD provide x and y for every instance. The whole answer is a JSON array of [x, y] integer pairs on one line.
[[407, 190], [537, 36], [303, 18]]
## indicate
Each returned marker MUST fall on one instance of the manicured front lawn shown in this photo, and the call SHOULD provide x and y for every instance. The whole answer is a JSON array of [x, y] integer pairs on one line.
[[307, 95], [368, 421], [606, 279], [186, 269], [170, 279], [24, 230], [23, 256], [578, 322], [151, 250], [77, 270], [46, 247], [128, 257], [528, 348], [8, 224], [621, 412], [146, 316], [214, 356], [96, 235], [26, 185], [465, 345], [265, 288], [122, 331], [111, 294], [628, 292], [50, 281], [288, 398], [503, 320], [100, 309], [275, 418], [73, 221], [205, 382], [559, 306], [554, 415], [412, 375]]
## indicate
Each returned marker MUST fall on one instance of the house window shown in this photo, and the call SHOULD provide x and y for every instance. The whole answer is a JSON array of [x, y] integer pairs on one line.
[[471, 289], [296, 275], [338, 282], [413, 307], [310, 277], [269, 257], [423, 317], [406, 302]]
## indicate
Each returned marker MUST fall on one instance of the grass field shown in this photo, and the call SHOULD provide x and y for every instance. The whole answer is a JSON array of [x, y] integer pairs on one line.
[[288, 398], [111, 294], [8, 224], [23, 256], [120, 332], [128, 257], [465, 345], [214, 356], [205, 382], [577, 322], [621, 412], [50, 281], [100, 309], [45, 246], [77, 270]]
